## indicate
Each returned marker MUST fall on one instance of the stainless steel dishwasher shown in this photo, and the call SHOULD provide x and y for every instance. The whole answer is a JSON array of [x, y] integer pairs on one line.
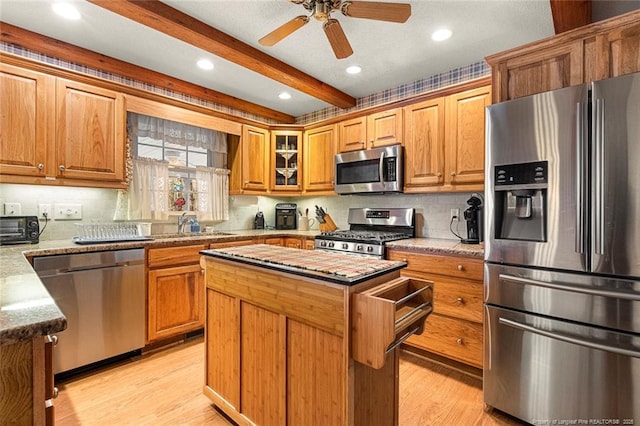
[[102, 295]]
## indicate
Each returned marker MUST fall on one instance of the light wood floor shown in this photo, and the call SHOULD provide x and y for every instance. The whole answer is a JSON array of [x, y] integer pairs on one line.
[[165, 388]]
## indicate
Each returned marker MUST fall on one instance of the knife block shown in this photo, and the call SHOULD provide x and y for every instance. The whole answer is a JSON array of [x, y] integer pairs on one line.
[[329, 224]]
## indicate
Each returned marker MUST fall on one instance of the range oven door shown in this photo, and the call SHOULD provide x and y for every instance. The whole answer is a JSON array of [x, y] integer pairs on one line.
[[373, 170], [544, 370]]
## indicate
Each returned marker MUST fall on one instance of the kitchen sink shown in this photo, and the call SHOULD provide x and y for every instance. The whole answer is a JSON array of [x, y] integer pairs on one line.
[[189, 234]]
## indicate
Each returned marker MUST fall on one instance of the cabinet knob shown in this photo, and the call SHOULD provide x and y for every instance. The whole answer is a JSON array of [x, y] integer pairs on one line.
[[460, 341], [404, 259], [459, 300], [438, 174], [55, 392], [452, 173], [61, 168], [40, 166], [53, 339], [460, 268]]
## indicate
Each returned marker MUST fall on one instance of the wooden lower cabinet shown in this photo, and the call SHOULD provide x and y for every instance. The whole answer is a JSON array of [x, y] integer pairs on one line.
[[27, 382], [278, 351], [175, 291], [454, 329]]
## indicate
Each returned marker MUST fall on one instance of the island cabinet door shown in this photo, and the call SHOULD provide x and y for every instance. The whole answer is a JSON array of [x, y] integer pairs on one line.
[[316, 368], [262, 365], [223, 350]]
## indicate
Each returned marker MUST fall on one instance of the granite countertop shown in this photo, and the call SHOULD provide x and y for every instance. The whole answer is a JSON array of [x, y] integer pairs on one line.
[[438, 246], [27, 310], [332, 267]]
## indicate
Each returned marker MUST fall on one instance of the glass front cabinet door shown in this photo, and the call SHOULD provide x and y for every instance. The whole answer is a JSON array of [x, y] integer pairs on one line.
[[287, 159]]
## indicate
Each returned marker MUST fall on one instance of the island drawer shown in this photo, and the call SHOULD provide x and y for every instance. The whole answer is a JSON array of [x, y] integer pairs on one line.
[[453, 266], [386, 315]]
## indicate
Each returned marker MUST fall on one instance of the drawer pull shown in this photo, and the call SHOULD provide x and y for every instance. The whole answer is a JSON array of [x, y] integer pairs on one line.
[[460, 341], [460, 268], [460, 301], [404, 259], [401, 340], [56, 392]]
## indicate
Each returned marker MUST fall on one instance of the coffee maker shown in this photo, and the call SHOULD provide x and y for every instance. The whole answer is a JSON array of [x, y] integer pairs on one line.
[[286, 216], [473, 216]]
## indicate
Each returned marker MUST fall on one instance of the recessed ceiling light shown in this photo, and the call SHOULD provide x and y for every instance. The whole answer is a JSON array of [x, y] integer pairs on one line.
[[66, 10], [284, 95], [205, 64], [441, 34], [354, 69]]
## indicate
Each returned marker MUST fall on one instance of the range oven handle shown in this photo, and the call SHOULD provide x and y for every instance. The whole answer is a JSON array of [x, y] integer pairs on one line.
[[569, 339], [381, 168], [569, 287]]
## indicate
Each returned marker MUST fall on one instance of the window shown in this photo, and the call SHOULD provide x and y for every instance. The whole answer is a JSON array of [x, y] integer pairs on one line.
[[184, 148], [176, 167]]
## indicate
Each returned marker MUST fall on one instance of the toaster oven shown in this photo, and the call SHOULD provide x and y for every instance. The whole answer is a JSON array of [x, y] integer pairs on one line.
[[19, 230]]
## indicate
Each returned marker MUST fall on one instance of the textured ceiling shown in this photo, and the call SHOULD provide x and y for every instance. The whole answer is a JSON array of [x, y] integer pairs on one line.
[[390, 54]]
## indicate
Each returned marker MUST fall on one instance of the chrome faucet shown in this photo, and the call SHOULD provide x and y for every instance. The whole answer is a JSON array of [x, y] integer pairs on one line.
[[182, 219]]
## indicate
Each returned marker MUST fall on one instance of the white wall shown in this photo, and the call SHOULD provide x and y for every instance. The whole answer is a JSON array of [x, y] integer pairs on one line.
[[432, 210]]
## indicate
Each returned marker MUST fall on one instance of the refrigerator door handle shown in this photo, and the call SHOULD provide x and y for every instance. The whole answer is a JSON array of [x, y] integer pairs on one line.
[[581, 131], [613, 348], [598, 124], [573, 288]]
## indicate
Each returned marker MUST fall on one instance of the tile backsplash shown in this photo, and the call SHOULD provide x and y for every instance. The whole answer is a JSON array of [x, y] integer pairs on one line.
[[432, 210]]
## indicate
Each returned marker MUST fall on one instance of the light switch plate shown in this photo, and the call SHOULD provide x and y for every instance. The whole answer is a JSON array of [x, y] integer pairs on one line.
[[12, 209], [67, 211]]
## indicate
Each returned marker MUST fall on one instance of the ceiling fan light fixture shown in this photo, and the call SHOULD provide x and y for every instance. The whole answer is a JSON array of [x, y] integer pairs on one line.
[[353, 69], [66, 10], [441, 35]]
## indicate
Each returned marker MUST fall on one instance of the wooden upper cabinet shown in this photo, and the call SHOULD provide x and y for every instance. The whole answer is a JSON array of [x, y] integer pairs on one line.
[[90, 141], [385, 128], [465, 130], [319, 158], [255, 158], [26, 122], [286, 160], [353, 134], [619, 51], [540, 71], [597, 51], [424, 144]]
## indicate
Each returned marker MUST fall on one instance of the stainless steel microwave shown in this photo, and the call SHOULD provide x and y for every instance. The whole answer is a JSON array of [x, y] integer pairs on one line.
[[19, 230], [375, 170]]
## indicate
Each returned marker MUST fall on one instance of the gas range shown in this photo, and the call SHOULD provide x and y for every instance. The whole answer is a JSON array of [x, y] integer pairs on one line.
[[369, 230]]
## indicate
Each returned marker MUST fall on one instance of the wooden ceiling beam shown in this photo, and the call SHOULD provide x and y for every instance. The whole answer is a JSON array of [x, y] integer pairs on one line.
[[174, 23], [570, 14], [68, 52]]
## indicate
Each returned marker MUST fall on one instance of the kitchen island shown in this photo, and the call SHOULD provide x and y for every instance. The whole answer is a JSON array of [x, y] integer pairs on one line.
[[307, 337]]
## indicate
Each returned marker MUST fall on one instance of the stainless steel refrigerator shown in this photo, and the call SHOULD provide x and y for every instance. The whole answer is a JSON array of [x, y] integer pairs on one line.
[[562, 255]]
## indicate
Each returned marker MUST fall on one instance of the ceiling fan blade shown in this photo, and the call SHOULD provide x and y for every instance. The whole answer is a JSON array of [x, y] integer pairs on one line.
[[284, 30], [391, 12], [337, 39]]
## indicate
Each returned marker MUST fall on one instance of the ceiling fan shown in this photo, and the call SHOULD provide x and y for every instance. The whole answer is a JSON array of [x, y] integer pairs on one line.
[[321, 10]]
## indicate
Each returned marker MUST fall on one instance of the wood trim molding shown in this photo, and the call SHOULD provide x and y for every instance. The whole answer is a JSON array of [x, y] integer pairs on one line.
[[570, 14], [68, 52], [176, 24]]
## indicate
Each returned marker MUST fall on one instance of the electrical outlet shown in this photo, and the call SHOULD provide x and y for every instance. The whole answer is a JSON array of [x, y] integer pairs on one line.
[[455, 214], [12, 209], [67, 211], [44, 208]]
